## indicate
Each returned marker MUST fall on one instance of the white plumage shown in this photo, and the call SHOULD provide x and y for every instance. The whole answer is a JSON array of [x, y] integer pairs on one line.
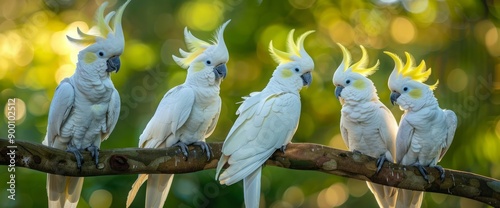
[[85, 106], [425, 131], [188, 113], [366, 124], [267, 121]]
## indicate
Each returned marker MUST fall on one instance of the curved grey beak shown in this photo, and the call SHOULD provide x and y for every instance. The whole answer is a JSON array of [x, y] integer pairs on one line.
[[220, 71], [394, 97], [338, 90], [306, 79], [113, 64]]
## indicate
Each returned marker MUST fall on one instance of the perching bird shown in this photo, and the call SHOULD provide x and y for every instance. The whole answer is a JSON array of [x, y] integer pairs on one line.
[[188, 113], [85, 106], [267, 120], [366, 124], [425, 131]]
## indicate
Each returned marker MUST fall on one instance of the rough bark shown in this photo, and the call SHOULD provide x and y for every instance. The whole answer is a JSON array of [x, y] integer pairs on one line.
[[299, 156]]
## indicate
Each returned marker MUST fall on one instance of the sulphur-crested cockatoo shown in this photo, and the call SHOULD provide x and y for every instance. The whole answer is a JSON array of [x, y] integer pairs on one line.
[[85, 106], [267, 120], [366, 124], [425, 131], [188, 113]]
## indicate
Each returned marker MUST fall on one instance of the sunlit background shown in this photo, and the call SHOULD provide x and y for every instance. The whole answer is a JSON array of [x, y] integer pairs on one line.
[[459, 40]]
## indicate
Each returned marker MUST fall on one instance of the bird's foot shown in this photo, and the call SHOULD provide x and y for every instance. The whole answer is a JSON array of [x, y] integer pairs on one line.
[[355, 151], [205, 148], [94, 152], [422, 171], [380, 162], [78, 156], [183, 147], [441, 172]]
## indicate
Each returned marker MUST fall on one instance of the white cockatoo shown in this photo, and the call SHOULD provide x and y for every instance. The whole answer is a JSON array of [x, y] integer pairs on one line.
[[188, 113], [366, 124], [267, 120], [425, 131], [85, 106]]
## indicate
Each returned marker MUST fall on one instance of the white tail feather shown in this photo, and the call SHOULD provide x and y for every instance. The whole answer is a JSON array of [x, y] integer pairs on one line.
[[157, 189], [409, 199], [63, 191], [385, 195], [251, 189], [135, 188]]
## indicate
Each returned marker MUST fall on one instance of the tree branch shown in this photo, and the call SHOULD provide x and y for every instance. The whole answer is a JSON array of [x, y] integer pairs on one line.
[[299, 156]]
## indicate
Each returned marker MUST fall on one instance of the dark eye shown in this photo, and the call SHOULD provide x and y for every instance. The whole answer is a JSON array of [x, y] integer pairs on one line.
[[209, 62], [297, 69], [101, 54], [405, 89], [348, 81]]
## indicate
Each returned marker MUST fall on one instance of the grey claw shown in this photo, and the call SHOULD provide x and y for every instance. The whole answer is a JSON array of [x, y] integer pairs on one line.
[[94, 152], [78, 156], [357, 151], [441, 171], [205, 148], [380, 162], [183, 147], [423, 172]]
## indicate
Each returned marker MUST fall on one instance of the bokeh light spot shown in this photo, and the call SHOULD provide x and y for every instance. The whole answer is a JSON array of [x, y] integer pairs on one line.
[[457, 80], [301, 4], [201, 15], [24, 55], [139, 56], [100, 199], [357, 188], [438, 198], [388, 1], [491, 37], [38, 78], [38, 104], [64, 71], [402, 30], [276, 33], [428, 12], [294, 196], [333, 196], [415, 6], [341, 32], [337, 142], [491, 41], [59, 43]]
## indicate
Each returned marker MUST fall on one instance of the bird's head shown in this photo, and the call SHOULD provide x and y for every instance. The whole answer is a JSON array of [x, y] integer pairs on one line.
[[406, 83], [103, 50], [295, 65], [205, 60], [351, 81]]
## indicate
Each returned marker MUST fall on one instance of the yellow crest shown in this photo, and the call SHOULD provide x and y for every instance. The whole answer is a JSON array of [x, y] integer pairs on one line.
[[417, 73], [294, 49], [360, 66], [197, 46], [103, 26]]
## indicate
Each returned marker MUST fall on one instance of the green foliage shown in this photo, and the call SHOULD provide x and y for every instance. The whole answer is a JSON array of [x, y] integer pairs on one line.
[[459, 40]]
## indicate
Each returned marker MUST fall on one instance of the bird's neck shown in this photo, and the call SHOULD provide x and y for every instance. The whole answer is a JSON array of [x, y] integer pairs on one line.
[[282, 85], [89, 82], [429, 103]]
